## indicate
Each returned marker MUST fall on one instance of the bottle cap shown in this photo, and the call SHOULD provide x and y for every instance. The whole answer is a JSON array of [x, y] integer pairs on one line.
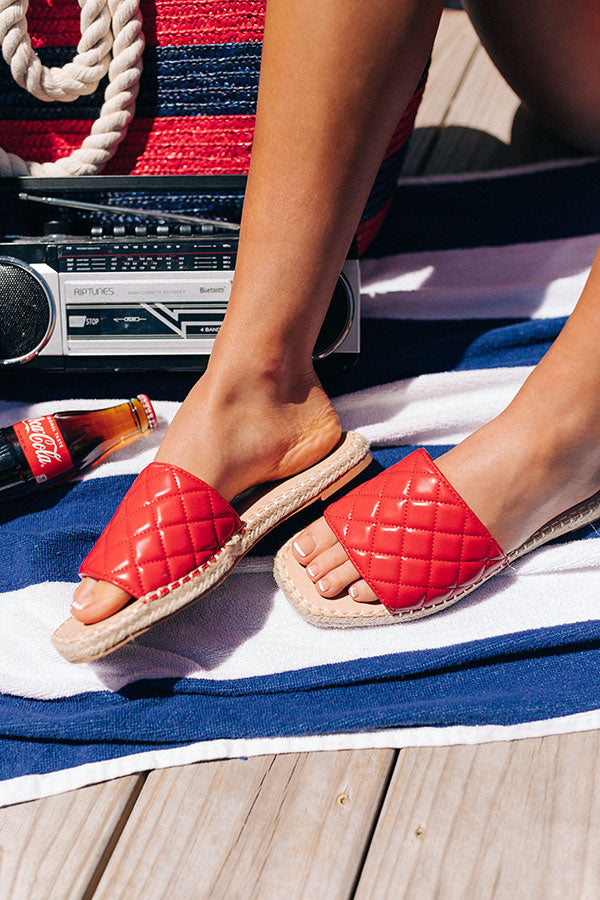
[[149, 410]]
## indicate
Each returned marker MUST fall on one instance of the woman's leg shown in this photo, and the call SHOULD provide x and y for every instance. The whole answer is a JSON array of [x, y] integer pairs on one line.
[[335, 78], [549, 54], [535, 460], [542, 454]]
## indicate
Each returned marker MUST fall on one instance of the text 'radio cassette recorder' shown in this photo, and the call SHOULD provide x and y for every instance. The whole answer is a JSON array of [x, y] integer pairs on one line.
[[154, 298]]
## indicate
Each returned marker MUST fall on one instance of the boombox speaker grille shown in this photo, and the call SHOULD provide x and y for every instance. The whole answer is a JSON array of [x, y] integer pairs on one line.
[[26, 312]]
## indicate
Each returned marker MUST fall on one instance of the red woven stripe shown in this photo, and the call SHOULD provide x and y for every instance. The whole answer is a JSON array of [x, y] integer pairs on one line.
[[166, 145], [368, 228], [55, 23], [200, 145], [406, 124]]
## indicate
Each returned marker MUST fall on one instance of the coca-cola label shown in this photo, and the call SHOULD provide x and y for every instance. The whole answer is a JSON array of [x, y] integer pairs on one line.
[[44, 447]]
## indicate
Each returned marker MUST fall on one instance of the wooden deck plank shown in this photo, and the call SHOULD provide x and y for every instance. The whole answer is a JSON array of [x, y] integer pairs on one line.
[[518, 819], [478, 125], [455, 44], [55, 847], [293, 826]]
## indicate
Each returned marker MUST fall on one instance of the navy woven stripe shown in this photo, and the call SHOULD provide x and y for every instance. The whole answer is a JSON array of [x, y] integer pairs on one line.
[[385, 182], [204, 80], [392, 349]]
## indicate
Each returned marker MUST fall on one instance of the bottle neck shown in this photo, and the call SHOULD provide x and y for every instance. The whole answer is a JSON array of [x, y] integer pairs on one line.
[[91, 435]]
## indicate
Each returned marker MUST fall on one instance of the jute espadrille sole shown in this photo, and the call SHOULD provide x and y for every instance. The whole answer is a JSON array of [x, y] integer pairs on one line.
[[344, 612], [261, 512]]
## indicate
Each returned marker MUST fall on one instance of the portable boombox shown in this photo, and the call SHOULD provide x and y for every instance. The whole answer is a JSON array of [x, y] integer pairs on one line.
[[133, 296]]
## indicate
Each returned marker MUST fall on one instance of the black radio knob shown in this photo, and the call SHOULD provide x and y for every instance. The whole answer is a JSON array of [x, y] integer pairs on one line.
[[55, 228]]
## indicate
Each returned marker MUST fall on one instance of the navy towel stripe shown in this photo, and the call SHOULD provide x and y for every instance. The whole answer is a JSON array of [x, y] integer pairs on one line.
[[511, 209], [556, 673]]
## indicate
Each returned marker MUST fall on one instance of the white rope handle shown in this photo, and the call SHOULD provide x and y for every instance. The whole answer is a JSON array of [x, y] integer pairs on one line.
[[105, 25]]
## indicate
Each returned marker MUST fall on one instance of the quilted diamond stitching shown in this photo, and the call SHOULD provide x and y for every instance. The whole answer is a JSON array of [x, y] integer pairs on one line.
[[128, 511], [411, 484], [161, 536], [429, 573], [134, 572], [168, 516], [184, 510]]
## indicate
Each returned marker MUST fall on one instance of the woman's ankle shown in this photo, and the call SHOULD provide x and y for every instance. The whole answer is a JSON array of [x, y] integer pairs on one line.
[[519, 471], [279, 373], [236, 431]]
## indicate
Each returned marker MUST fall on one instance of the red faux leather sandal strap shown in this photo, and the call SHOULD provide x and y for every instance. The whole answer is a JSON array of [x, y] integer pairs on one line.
[[169, 524], [412, 537]]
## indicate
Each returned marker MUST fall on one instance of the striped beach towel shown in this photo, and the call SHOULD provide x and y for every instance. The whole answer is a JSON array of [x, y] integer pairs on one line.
[[464, 290]]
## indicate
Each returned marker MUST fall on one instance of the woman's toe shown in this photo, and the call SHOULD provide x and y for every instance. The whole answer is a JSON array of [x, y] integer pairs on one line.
[[96, 600], [337, 580], [316, 538], [325, 561], [327, 564], [361, 592]]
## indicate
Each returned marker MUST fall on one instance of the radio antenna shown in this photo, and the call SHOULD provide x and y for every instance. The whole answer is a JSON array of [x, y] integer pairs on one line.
[[131, 211]]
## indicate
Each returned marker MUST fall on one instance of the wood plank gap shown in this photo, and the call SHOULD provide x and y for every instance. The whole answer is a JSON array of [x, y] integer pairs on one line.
[[254, 801], [269, 842], [112, 842], [503, 820], [251, 829], [429, 150], [393, 763]]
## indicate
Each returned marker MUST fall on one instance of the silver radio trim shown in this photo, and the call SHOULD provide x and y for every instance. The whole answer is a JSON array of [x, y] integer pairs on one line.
[[347, 325], [60, 343]]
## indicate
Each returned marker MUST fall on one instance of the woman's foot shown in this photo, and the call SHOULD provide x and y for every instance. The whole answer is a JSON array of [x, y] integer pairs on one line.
[[235, 431], [516, 473]]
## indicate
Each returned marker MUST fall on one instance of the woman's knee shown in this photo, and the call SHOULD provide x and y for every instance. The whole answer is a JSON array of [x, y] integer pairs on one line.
[[548, 53]]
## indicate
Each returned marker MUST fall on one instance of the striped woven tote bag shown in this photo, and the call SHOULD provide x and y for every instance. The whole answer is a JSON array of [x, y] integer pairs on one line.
[[195, 108]]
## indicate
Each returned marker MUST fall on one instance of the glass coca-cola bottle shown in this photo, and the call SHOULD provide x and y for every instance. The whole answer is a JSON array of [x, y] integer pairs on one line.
[[37, 453]]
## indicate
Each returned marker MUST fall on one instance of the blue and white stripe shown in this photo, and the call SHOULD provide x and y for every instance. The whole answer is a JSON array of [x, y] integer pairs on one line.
[[449, 337]]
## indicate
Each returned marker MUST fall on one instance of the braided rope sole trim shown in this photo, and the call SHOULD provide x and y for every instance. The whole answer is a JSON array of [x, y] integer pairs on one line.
[[140, 615], [572, 519]]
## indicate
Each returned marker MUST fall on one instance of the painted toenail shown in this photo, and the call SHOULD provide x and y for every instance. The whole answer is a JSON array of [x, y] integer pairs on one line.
[[353, 591], [83, 597], [323, 584], [313, 570], [304, 544]]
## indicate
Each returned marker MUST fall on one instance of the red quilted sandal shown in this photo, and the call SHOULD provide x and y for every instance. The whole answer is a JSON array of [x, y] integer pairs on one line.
[[415, 542], [174, 538]]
